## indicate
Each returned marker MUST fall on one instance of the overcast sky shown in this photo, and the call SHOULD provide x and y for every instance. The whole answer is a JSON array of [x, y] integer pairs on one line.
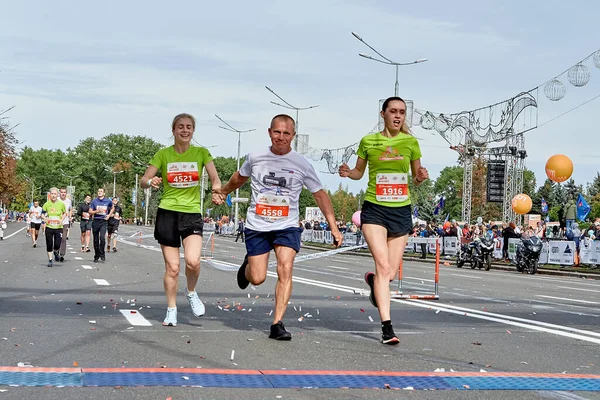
[[77, 69]]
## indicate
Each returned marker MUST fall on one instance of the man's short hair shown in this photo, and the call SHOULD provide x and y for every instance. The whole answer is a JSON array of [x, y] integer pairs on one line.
[[286, 117]]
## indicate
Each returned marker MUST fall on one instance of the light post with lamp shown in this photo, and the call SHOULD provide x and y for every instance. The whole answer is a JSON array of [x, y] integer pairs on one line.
[[386, 60], [114, 178], [230, 128], [291, 107]]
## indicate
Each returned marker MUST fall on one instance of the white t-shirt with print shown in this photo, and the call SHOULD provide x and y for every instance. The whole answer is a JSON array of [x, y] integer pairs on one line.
[[68, 206], [36, 214], [276, 183]]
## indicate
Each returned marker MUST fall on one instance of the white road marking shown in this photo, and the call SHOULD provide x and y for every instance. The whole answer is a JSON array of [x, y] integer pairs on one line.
[[567, 305], [564, 298], [559, 330], [583, 290], [86, 267], [418, 279], [101, 282], [135, 318], [78, 258], [331, 266], [14, 233], [467, 276], [73, 252], [479, 297]]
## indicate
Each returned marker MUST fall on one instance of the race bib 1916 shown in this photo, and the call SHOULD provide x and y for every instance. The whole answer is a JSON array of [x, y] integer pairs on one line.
[[392, 187]]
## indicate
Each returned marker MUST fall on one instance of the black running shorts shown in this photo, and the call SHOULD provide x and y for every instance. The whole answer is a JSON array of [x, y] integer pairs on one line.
[[172, 227], [397, 220]]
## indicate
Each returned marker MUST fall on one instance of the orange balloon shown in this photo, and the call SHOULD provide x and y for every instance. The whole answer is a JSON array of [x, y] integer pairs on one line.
[[559, 168], [447, 224], [521, 203]]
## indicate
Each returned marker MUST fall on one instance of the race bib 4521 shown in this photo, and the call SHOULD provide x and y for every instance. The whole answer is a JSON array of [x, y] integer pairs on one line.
[[182, 174]]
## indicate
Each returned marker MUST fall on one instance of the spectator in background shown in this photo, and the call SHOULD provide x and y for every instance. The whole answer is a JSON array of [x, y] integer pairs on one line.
[[508, 233]]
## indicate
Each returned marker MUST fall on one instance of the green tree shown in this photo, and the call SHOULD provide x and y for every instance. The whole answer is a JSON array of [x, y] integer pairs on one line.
[[546, 192], [423, 197], [306, 200], [449, 184], [9, 185], [593, 188]]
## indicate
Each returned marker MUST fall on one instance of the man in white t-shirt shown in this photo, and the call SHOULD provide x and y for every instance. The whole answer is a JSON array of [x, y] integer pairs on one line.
[[35, 215], [66, 222], [277, 177]]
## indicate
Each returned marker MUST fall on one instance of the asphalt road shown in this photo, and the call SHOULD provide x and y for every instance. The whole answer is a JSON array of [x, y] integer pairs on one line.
[[80, 314]]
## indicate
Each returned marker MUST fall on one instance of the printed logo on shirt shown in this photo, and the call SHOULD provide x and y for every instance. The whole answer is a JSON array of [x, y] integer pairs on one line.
[[390, 154]]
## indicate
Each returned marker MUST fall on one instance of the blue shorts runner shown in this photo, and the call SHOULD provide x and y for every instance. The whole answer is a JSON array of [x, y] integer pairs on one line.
[[258, 243]]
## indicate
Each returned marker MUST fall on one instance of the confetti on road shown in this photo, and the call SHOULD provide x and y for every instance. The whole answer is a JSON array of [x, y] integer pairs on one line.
[[509, 332], [232, 354], [370, 318]]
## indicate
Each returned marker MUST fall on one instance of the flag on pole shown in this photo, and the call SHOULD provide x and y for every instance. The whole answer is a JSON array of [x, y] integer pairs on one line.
[[439, 206], [416, 212], [583, 209], [447, 217], [228, 200], [544, 206]]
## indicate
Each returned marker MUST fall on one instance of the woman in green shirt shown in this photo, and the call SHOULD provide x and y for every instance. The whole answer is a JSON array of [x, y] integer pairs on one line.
[[179, 218], [386, 216]]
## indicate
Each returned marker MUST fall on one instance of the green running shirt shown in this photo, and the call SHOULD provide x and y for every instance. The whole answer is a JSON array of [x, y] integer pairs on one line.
[[181, 177], [389, 160], [55, 212]]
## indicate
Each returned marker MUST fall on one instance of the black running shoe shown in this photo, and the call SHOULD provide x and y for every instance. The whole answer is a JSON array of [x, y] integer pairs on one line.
[[49, 263], [114, 249], [56, 256], [242, 281], [61, 259], [370, 279], [388, 336], [102, 258], [278, 332], [95, 260]]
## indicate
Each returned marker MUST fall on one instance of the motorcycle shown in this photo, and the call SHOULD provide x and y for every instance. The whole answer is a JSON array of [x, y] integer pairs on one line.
[[470, 253], [487, 250], [528, 254]]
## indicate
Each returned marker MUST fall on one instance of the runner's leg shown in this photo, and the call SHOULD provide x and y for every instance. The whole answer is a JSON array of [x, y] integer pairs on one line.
[[171, 279], [192, 249], [63, 242], [376, 237], [283, 288]]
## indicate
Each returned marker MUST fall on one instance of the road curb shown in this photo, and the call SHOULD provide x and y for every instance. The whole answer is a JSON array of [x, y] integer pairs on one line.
[[496, 266]]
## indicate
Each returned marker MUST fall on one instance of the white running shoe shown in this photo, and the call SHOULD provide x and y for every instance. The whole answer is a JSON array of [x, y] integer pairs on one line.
[[196, 304], [170, 318]]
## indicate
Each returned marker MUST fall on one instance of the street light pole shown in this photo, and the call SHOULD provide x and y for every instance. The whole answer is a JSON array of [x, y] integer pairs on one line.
[[291, 107], [386, 60], [230, 128]]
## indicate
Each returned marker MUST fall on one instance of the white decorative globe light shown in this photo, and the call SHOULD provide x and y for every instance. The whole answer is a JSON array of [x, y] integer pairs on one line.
[[555, 90], [597, 59], [579, 75]]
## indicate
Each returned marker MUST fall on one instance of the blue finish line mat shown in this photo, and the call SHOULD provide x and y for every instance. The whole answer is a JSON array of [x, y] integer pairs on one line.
[[228, 378]]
